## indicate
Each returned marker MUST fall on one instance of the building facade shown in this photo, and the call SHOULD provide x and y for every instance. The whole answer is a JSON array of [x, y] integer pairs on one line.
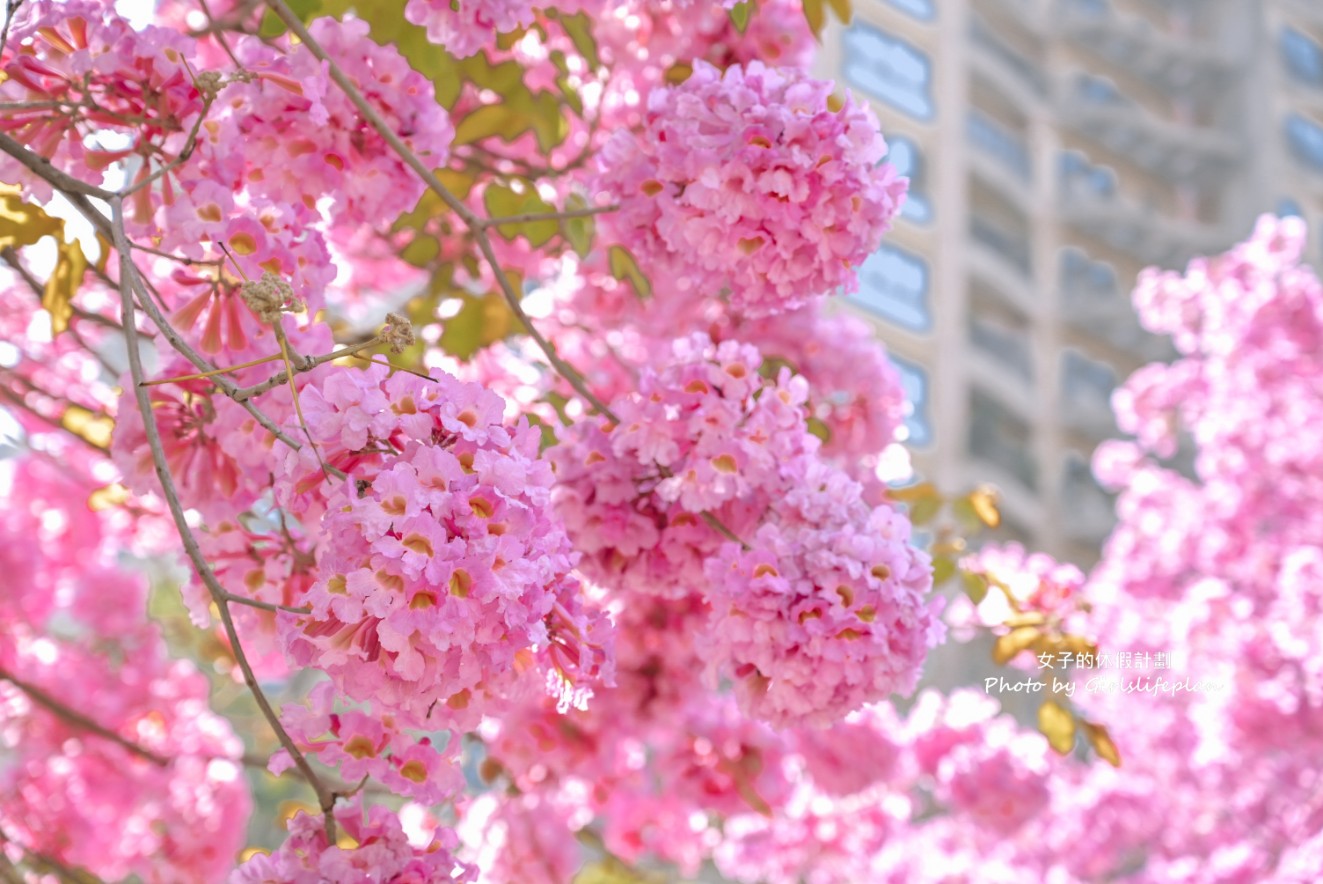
[[1054, 149]]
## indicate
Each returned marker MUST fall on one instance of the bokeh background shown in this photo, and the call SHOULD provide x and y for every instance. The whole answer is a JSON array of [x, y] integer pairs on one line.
[[1055, 148]]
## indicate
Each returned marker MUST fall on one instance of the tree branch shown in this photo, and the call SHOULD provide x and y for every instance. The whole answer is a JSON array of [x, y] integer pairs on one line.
[[128, 273], [45, 169], [475, 223], [78, 719]]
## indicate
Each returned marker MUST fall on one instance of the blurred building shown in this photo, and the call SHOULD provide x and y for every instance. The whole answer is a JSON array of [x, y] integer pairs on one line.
[[1055, 148]]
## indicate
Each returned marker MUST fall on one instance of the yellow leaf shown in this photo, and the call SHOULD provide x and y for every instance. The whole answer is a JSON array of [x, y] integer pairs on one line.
[[624, 267], [93, 428], [421, 251], [23, 224], [911, 493], [1012, 643], [578, 232], [109, 496], [816, 16], [842, 10], [983, 501], [1058, 725], [943, 569], [611, 871], [1101, 741], [57, 298]]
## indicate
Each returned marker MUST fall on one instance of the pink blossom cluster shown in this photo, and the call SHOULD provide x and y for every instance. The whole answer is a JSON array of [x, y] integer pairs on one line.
[[826, 610], [440, 569], [74, 68], [751, 182], [465, 28], [159, 793], [706, 432], [377, 850]]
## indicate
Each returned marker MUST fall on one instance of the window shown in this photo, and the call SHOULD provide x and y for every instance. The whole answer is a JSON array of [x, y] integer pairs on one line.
[[1098, 90], [923, 10], [1000, 438], [1087, 508], [1012, 247], [999, 142], [1287, 207], [894, 285], [1305, 138], [1302, 56], [983, 36], [904, 155], [1086, 391], [1003, 344], [1084, 279], [914, 381], [1079, 177], [889, 69]]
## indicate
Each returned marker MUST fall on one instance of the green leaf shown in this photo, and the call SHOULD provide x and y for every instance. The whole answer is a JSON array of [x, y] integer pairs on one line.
[[479, 322], [624, 267], [504, 202], [974, 585], [578, 232], [1058, 725], [925, 509], [272, 26], [819, 428], [422, 250], [739, 15], [579, 29], [944, 569], [492, 121]]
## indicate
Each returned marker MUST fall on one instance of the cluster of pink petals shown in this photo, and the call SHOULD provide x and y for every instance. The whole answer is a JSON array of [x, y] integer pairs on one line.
[[359, 744], [106, 74], [464, 28], [377, 850], [441, 570], [826, 610], [73, 616], [311, 140], [750, 182], [706, 432]]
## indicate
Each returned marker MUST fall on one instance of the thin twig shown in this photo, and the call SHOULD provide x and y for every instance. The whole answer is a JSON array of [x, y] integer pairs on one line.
[[266, 606], [472, 221], [78, 719], [128, 272], [45, 169], [529, 217], [300, 364]]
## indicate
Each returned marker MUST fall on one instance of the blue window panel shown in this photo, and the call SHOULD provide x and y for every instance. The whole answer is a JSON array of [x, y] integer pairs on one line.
[[923, 10], [889, 69], [1305, 138], [1287, 207], [914, 381], [1302, 56], [894, 285], [903, 154]]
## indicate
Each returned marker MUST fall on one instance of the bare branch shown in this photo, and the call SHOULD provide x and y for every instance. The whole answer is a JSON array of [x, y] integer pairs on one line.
[[529, 217], [44, 169], [78, 719], [128, 273]]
